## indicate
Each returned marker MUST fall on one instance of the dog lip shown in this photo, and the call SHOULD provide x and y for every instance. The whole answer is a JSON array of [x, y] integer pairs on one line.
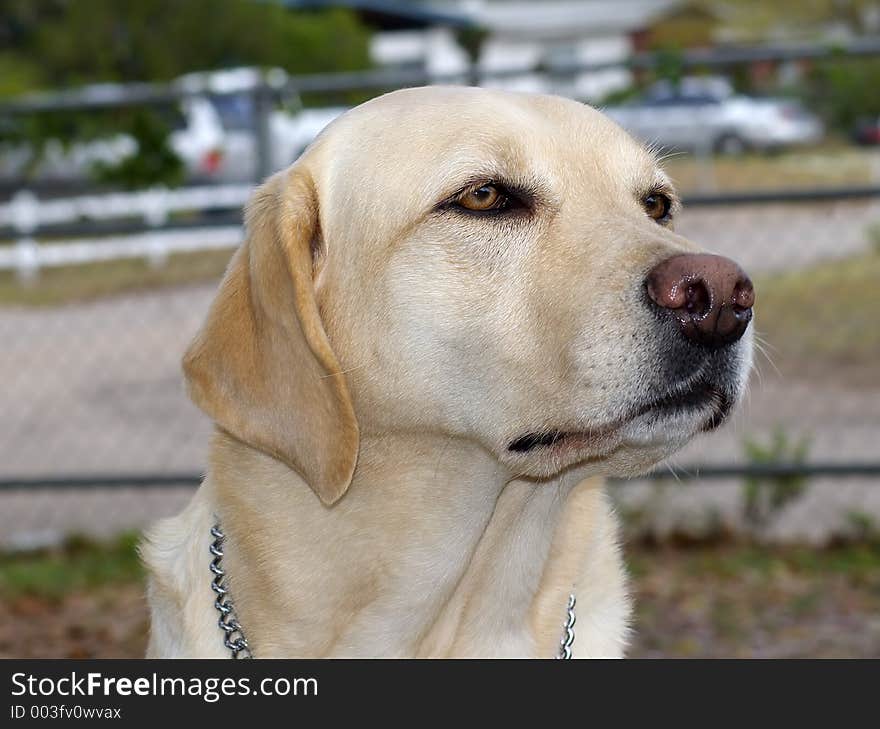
[[530, 441], [696, 396], [720, 412], [549, 438]]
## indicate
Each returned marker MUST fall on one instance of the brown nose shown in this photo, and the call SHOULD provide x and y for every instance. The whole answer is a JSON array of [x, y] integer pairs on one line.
[[710, 296]]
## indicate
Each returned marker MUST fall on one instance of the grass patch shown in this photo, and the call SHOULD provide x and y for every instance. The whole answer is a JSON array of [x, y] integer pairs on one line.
[[724, 600], [823, 167], [69, 284], [859, 562], [80, 564], [824, 316]]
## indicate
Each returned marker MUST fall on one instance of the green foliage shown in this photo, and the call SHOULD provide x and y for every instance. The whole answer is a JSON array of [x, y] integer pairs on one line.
[[17, 75], [621, 96], [66, 43], [155, 162], [72, 42], [766, 497], [862, 527], [471, 39], [79, 564], [670, 66], [845, 91]]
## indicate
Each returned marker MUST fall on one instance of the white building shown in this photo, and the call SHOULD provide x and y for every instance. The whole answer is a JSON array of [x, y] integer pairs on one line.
[[528, 37]]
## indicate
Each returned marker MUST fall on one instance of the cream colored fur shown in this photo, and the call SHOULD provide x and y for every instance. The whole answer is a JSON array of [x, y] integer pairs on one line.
[[369, 358]]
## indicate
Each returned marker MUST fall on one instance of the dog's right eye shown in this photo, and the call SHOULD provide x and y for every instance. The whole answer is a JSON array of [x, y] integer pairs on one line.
[[484, 199]]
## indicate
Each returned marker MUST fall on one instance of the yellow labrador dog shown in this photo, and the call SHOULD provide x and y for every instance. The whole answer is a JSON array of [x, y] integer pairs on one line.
[[454, 315]]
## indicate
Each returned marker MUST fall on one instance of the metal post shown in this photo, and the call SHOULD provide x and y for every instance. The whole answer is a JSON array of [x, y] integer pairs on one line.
[[154, 205], [25, 220], [706, 181], [263, 98]]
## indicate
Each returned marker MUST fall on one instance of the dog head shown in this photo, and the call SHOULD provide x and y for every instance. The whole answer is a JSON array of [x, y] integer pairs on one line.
[[493, 266]]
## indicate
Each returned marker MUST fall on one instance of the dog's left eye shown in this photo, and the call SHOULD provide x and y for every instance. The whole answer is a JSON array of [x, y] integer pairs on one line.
[[657, 206], [485, 199]]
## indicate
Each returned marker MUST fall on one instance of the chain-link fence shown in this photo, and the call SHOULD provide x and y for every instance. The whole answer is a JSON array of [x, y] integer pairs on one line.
[[99, 437], [101, 291], [93, 396], [806, 441]]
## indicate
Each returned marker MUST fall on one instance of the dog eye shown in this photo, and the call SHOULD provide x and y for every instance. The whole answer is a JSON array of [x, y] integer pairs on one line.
[[657, 206], [484, 199]]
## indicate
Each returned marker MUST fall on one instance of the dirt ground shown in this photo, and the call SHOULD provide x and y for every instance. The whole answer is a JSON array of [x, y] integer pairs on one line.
[[696, 602], [109, 622], [753, 603]]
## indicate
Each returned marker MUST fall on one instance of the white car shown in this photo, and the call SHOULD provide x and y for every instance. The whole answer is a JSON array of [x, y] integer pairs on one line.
[[289, 135], [709, 117], [212, 130], [291, 127]]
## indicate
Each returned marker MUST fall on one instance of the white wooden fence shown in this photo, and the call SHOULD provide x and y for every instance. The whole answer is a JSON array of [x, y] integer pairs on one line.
[[26, 215]]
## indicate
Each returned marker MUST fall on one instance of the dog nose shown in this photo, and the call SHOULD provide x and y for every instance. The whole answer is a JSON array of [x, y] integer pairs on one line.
[[710, 297]]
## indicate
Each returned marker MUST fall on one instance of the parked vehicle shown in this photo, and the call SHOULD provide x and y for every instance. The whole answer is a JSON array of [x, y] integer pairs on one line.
[[212, 130], [705, 114], [867, 131], [289, 134], [291, 127]]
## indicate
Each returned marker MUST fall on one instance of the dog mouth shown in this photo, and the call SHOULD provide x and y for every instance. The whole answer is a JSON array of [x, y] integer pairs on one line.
[[700, 396]]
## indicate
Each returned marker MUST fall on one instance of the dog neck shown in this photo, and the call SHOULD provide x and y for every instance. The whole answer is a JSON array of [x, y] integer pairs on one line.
[[434, 550]]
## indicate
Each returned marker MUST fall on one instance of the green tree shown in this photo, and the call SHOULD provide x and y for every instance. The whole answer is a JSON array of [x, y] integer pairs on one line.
[[48, 44], [845, 91], [70, 42]]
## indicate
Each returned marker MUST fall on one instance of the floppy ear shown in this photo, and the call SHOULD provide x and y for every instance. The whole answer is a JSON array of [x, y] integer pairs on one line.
[[261, 366]]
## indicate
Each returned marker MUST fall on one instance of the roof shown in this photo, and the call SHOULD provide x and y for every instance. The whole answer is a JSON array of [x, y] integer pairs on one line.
[[533, 18], [391, 14], [569, 18]]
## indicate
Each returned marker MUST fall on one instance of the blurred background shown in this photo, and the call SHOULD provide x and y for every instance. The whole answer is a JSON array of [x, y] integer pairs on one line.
[[131, 133]]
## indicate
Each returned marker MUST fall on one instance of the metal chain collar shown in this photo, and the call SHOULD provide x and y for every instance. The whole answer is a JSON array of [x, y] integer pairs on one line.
[[568, 629], [233, 635]]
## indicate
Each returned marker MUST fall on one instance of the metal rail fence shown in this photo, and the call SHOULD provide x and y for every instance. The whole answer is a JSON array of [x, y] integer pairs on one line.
[[98, 435], [271, 86]]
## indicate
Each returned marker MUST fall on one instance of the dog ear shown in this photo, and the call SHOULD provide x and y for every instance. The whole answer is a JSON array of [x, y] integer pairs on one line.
[[262, 366]]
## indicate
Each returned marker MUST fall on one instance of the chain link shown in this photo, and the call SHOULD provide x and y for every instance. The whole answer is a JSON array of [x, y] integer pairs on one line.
[[568, 630], [233, 635]]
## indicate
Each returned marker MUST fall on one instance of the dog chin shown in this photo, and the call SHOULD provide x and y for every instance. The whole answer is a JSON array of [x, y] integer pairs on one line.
[[629, 457], [629, 447]]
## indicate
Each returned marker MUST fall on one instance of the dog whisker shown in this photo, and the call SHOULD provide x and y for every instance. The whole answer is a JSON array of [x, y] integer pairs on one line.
[[762, 346]]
